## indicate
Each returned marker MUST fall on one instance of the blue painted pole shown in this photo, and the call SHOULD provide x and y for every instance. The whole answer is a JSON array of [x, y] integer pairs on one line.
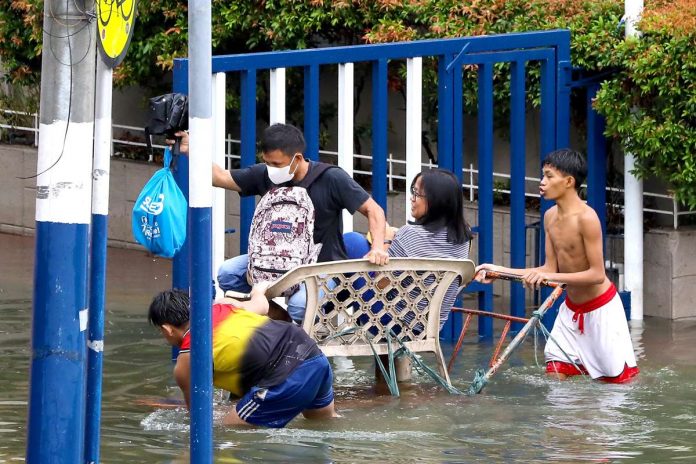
[[56, 412], [97, 282], [445, 108], [549, 70], [596, 160], [248, 152], [518, 155], [311, 111], [200, 209], [380, 113], [180, 263], [485, 190], [457, 123]]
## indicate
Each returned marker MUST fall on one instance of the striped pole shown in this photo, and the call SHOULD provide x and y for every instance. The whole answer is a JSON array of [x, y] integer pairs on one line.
[[56, 416], [97, 276], [200, 211]]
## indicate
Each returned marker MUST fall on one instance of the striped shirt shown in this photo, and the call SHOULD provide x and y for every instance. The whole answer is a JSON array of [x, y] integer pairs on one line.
[[415, 241]]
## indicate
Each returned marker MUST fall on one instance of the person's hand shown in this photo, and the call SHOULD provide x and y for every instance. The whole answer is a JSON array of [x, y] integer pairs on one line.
[[183, 144], [480, 273], [377, 256], [534, 279], [260, 289]]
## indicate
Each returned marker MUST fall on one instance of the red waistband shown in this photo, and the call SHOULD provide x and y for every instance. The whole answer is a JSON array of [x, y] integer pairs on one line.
[[594, 303]]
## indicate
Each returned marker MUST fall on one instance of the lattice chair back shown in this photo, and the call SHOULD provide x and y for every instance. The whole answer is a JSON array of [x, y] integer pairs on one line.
[[353, 304]]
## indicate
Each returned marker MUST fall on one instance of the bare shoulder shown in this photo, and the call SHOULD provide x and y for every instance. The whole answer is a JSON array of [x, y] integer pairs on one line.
[[588, 217], [551, 214]]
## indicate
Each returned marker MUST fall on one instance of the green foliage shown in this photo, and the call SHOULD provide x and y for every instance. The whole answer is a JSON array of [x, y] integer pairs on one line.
[[650, 104]]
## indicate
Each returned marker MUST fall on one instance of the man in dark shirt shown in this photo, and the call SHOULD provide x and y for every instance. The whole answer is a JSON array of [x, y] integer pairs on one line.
[[284, 164]]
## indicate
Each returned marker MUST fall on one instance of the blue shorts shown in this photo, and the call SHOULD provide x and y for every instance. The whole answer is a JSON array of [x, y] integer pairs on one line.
[[310, 386]]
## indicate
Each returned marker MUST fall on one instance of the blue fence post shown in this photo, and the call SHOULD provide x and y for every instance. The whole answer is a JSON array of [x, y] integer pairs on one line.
[[181, 275], [311, 111], [485, 191], [548, 144], [445, 111], [596, 160], [248, 151], [457, 123], [379, 132], [517, 186]]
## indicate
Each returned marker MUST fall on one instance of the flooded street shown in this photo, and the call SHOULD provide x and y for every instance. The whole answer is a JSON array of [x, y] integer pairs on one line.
[[520, 417]]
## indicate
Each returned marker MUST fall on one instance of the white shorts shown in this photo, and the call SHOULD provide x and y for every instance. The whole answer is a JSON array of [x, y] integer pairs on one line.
[[605, 347]]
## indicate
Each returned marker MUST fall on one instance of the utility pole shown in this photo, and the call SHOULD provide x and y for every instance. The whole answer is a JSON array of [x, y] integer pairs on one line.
[[633, 198], [56, 415]]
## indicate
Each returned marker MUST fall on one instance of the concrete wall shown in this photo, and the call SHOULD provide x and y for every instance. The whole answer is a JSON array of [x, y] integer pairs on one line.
[[670, 273]]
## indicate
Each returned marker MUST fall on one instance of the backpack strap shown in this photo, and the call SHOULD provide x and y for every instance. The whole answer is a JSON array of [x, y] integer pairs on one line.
[[317, 169]]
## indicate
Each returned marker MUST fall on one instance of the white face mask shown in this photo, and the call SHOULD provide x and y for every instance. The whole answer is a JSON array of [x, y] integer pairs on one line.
[[281, 175]]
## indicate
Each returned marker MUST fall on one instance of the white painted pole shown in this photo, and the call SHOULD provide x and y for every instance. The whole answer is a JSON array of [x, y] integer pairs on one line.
[[345, 128], [219, 223], [633, 199], [277, 109], [414, 118]]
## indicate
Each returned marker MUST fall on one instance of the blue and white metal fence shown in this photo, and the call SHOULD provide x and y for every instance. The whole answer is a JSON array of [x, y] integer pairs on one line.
[[551, 49]]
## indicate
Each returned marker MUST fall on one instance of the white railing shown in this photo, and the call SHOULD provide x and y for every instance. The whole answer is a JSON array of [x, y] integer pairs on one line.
[[395, 166]]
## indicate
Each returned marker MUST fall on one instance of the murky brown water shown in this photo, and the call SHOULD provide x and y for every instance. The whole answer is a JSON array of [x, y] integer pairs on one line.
[[521, 417]]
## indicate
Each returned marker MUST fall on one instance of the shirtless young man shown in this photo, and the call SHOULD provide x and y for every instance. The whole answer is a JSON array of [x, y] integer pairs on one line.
[[591, 326]]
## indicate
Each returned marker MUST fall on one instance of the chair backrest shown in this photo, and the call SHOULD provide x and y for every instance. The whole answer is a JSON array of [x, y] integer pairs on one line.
[[349, 302]]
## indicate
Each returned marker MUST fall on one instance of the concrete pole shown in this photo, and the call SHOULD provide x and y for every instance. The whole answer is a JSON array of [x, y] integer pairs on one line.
[[56, 416], [633, 199], [200, 209]]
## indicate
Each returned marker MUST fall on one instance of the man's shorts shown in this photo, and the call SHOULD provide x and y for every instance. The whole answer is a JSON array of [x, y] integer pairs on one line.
[[310, 386]]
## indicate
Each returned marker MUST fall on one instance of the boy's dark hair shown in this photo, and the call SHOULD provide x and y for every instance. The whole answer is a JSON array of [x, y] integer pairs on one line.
[[169, 307], [445, 204], [284, 137], [569, 162]]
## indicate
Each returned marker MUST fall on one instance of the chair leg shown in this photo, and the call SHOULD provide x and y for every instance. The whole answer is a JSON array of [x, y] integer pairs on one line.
[[441, 366]]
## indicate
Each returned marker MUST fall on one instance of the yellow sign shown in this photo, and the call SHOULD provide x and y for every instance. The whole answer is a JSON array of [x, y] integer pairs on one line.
[[115, 25]]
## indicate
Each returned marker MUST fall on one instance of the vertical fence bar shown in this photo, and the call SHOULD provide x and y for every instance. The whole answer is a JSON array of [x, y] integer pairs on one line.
[[248, 151], [277, 109], [518, 155], [485, 191], [596, 161], [97, 274], [379, 132], [445, 106], [311, 111], [548, 144], [56, 412], [414, 124], [219, 209], [345, 128], [457, 123], [200, 210], [181, 277]]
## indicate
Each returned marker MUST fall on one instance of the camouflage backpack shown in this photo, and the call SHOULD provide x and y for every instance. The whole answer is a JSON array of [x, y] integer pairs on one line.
[[282, 231]]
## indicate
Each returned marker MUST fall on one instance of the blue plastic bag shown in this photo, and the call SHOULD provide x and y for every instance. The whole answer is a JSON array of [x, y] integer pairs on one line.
[[159, 213]]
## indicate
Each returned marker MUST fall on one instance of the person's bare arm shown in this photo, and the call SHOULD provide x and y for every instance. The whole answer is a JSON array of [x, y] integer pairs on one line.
[[550, 263], [376, 223], [257, 302], [182, 376], [221, 177]]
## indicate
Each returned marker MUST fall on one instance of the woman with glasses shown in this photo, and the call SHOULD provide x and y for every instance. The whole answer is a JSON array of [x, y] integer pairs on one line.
[[438, 230]]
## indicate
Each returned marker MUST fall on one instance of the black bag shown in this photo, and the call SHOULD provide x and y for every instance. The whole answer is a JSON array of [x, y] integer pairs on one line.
[[168, 115]]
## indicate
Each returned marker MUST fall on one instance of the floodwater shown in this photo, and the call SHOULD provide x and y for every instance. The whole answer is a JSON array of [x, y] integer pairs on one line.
[[520, 417]]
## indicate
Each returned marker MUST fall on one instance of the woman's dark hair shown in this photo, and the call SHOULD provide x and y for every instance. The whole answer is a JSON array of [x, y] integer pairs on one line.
[[284, 137], [169, 307], [569, 162], [445, 205]]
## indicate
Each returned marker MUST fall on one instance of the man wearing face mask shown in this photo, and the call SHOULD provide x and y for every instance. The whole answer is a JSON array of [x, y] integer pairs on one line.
[[284, 164]]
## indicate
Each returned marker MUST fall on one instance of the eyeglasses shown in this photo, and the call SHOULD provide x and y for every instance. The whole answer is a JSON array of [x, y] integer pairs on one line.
[[416, 194]]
